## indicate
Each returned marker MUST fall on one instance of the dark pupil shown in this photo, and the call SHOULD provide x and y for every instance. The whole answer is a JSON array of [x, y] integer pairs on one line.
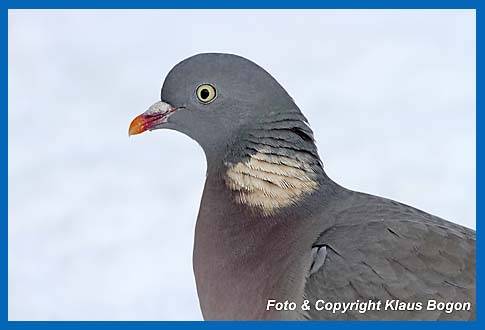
[[204, 94]]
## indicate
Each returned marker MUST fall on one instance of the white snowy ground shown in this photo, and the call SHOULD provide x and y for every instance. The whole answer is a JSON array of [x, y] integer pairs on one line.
[[101, 226]]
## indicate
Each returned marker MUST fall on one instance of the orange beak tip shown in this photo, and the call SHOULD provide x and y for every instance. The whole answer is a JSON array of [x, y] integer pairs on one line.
[[137, 126]]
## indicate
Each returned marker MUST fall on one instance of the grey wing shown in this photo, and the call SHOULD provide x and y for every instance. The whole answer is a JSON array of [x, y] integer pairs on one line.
[[395, 253]]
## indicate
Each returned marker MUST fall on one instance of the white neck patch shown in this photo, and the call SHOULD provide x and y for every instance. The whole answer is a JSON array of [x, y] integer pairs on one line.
[[269, 182]]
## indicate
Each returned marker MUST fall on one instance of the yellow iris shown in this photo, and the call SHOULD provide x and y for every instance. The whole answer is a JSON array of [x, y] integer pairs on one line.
[[206, 93]]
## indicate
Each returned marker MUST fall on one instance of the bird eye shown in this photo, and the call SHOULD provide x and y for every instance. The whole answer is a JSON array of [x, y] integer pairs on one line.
[[206, 93]]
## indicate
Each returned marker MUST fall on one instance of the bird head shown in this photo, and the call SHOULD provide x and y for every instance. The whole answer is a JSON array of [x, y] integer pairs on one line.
[[211, 98]]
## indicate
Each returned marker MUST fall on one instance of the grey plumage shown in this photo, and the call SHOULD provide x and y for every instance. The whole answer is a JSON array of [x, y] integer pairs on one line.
[[319, 254], [399, 253], [273, 225]]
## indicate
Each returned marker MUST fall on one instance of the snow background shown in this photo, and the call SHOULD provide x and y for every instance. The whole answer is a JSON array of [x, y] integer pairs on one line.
[[101, 226]]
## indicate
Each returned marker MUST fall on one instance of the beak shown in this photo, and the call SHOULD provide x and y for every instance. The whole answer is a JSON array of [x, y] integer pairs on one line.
[[151, 119]]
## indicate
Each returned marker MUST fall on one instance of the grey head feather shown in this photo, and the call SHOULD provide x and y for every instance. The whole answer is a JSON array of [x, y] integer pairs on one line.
[[245, 93]]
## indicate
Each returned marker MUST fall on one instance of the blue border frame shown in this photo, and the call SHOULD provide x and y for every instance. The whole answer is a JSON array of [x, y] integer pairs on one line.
[[237, 4], [240, 4]]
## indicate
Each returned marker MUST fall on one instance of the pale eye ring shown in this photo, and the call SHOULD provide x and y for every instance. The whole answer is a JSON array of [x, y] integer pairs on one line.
[[206, 93]]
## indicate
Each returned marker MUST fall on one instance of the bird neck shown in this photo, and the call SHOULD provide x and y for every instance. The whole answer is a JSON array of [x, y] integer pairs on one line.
[[273, 165]]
